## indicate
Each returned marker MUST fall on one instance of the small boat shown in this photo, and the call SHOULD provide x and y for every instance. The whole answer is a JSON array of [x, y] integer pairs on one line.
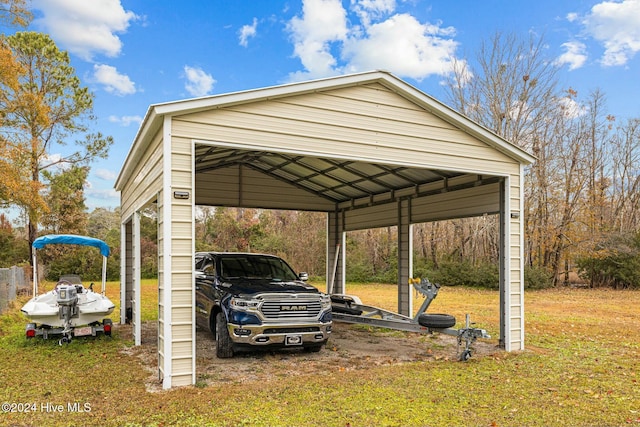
[[70, 309]]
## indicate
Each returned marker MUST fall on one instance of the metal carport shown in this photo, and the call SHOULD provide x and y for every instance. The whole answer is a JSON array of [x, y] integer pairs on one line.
[[368, 149]]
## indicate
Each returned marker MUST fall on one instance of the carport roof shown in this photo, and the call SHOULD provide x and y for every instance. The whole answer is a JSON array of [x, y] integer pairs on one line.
[[332, 179], [335, 180]]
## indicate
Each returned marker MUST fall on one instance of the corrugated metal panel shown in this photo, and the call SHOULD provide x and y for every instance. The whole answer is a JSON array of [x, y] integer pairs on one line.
[[147, 179], [181, 276], [182, 372], [358, 101], [457, 204], [181, 314], [372, 217], [370, 147], [181, 350], [229, 186], [182, 297], [162, 299]]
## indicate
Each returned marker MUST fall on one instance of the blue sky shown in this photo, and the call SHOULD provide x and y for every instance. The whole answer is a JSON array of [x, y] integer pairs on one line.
[[134, 53]]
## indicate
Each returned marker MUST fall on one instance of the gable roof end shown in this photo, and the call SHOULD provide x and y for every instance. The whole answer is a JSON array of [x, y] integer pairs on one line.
[[155, 114]]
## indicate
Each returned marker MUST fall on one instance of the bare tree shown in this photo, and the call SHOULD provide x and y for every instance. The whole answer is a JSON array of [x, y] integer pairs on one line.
[[511, 88], [624, 214], [513, 91]]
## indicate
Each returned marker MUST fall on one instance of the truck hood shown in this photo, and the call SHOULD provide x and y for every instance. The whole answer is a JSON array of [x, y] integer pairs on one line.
[[245, 286]]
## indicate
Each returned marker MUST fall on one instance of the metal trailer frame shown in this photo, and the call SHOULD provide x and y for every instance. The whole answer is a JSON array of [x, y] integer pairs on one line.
[[349, 309], [91, 331]]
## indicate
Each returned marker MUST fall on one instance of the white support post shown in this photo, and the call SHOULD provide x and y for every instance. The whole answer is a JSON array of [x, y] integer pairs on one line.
[[35, 274], [123, 273], [167, 216], [137, 330]]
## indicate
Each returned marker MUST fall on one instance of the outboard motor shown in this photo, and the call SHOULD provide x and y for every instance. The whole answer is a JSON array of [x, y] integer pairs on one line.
[[67, 295], [67, 300]]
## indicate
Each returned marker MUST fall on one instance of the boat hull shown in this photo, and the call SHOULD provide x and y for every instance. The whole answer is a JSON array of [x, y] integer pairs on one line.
[[45, 310]]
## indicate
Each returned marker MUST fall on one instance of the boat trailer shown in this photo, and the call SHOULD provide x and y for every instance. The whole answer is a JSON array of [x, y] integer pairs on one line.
[[349, 309]]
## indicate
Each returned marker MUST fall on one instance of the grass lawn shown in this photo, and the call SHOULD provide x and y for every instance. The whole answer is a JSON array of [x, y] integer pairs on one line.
[[581, 368]]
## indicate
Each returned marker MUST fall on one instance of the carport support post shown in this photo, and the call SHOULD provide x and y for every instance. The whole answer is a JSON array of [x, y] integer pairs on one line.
[[512, 263], [130, 275], [503, 248], [335, 248], [405, 257]]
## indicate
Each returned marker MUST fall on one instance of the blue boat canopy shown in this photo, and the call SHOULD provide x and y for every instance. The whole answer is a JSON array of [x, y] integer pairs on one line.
[[71, 239]]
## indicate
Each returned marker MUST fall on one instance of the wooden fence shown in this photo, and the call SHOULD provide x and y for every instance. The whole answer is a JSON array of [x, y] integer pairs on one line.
[[12, 281]]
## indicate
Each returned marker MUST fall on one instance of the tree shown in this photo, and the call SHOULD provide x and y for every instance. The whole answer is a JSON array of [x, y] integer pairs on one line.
[[65, 199], [12, 13], [48, 106], [513, 91], [12, 250], [625, 192]]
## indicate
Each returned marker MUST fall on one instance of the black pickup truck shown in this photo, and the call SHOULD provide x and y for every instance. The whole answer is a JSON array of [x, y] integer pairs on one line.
[[257, 301]]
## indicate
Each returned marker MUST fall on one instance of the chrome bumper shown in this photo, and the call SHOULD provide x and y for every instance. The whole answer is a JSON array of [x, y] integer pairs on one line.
[[280, 334]]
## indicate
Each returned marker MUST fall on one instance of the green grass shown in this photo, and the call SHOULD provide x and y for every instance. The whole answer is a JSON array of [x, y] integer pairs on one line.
[[580, 368]]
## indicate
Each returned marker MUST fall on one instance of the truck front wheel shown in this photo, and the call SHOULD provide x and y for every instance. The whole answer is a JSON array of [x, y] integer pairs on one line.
[[224, 346]]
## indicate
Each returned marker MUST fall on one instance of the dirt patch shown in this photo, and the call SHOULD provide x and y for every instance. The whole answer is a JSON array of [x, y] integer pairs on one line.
[[350, 347]]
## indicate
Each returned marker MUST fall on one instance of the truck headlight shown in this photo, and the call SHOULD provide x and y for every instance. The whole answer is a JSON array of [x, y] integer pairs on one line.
[[244, 304], [325, 301]]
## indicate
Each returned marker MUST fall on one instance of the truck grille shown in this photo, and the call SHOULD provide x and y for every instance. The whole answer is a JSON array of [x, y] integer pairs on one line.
[[291, 308]]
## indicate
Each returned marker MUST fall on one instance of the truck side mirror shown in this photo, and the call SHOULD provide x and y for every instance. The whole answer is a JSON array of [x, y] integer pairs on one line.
[[304, 276]]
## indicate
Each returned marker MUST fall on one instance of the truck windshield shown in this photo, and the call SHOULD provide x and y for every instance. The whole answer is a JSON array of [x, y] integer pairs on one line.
[[256, 267]]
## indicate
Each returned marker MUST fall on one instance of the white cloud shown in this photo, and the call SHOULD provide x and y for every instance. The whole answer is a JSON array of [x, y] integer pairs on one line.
[[126, 120], [368, 10], [53, 159], [322, 22], [113, 82], [617, 26], [248, 31], [83, 27], [574, 55], [106, 174], [571, 17], [403, 45], [198, 82], [328, 44], [101, 194], [570, 108]]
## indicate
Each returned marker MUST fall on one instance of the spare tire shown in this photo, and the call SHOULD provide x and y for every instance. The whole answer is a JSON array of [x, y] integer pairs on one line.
[[436, 321]]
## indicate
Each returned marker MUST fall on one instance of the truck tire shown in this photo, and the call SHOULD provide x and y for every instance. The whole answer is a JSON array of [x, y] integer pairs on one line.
[[224, 346], [436, 321]]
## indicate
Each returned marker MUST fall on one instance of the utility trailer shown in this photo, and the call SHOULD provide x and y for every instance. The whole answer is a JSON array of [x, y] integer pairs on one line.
[[349, 309]]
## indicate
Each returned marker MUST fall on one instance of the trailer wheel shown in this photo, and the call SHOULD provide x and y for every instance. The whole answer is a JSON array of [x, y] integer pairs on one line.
[[437, 321]]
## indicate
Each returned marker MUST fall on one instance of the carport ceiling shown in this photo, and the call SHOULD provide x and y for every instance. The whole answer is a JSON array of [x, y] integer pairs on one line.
[[336, 180]]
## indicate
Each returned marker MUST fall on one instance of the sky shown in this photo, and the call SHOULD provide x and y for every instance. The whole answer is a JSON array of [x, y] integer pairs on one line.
[[135, 53]]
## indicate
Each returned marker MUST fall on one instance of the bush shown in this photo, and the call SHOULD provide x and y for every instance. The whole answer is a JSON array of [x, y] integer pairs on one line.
[[359, 272], [614, 262], [452, 273], [537, 278]]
